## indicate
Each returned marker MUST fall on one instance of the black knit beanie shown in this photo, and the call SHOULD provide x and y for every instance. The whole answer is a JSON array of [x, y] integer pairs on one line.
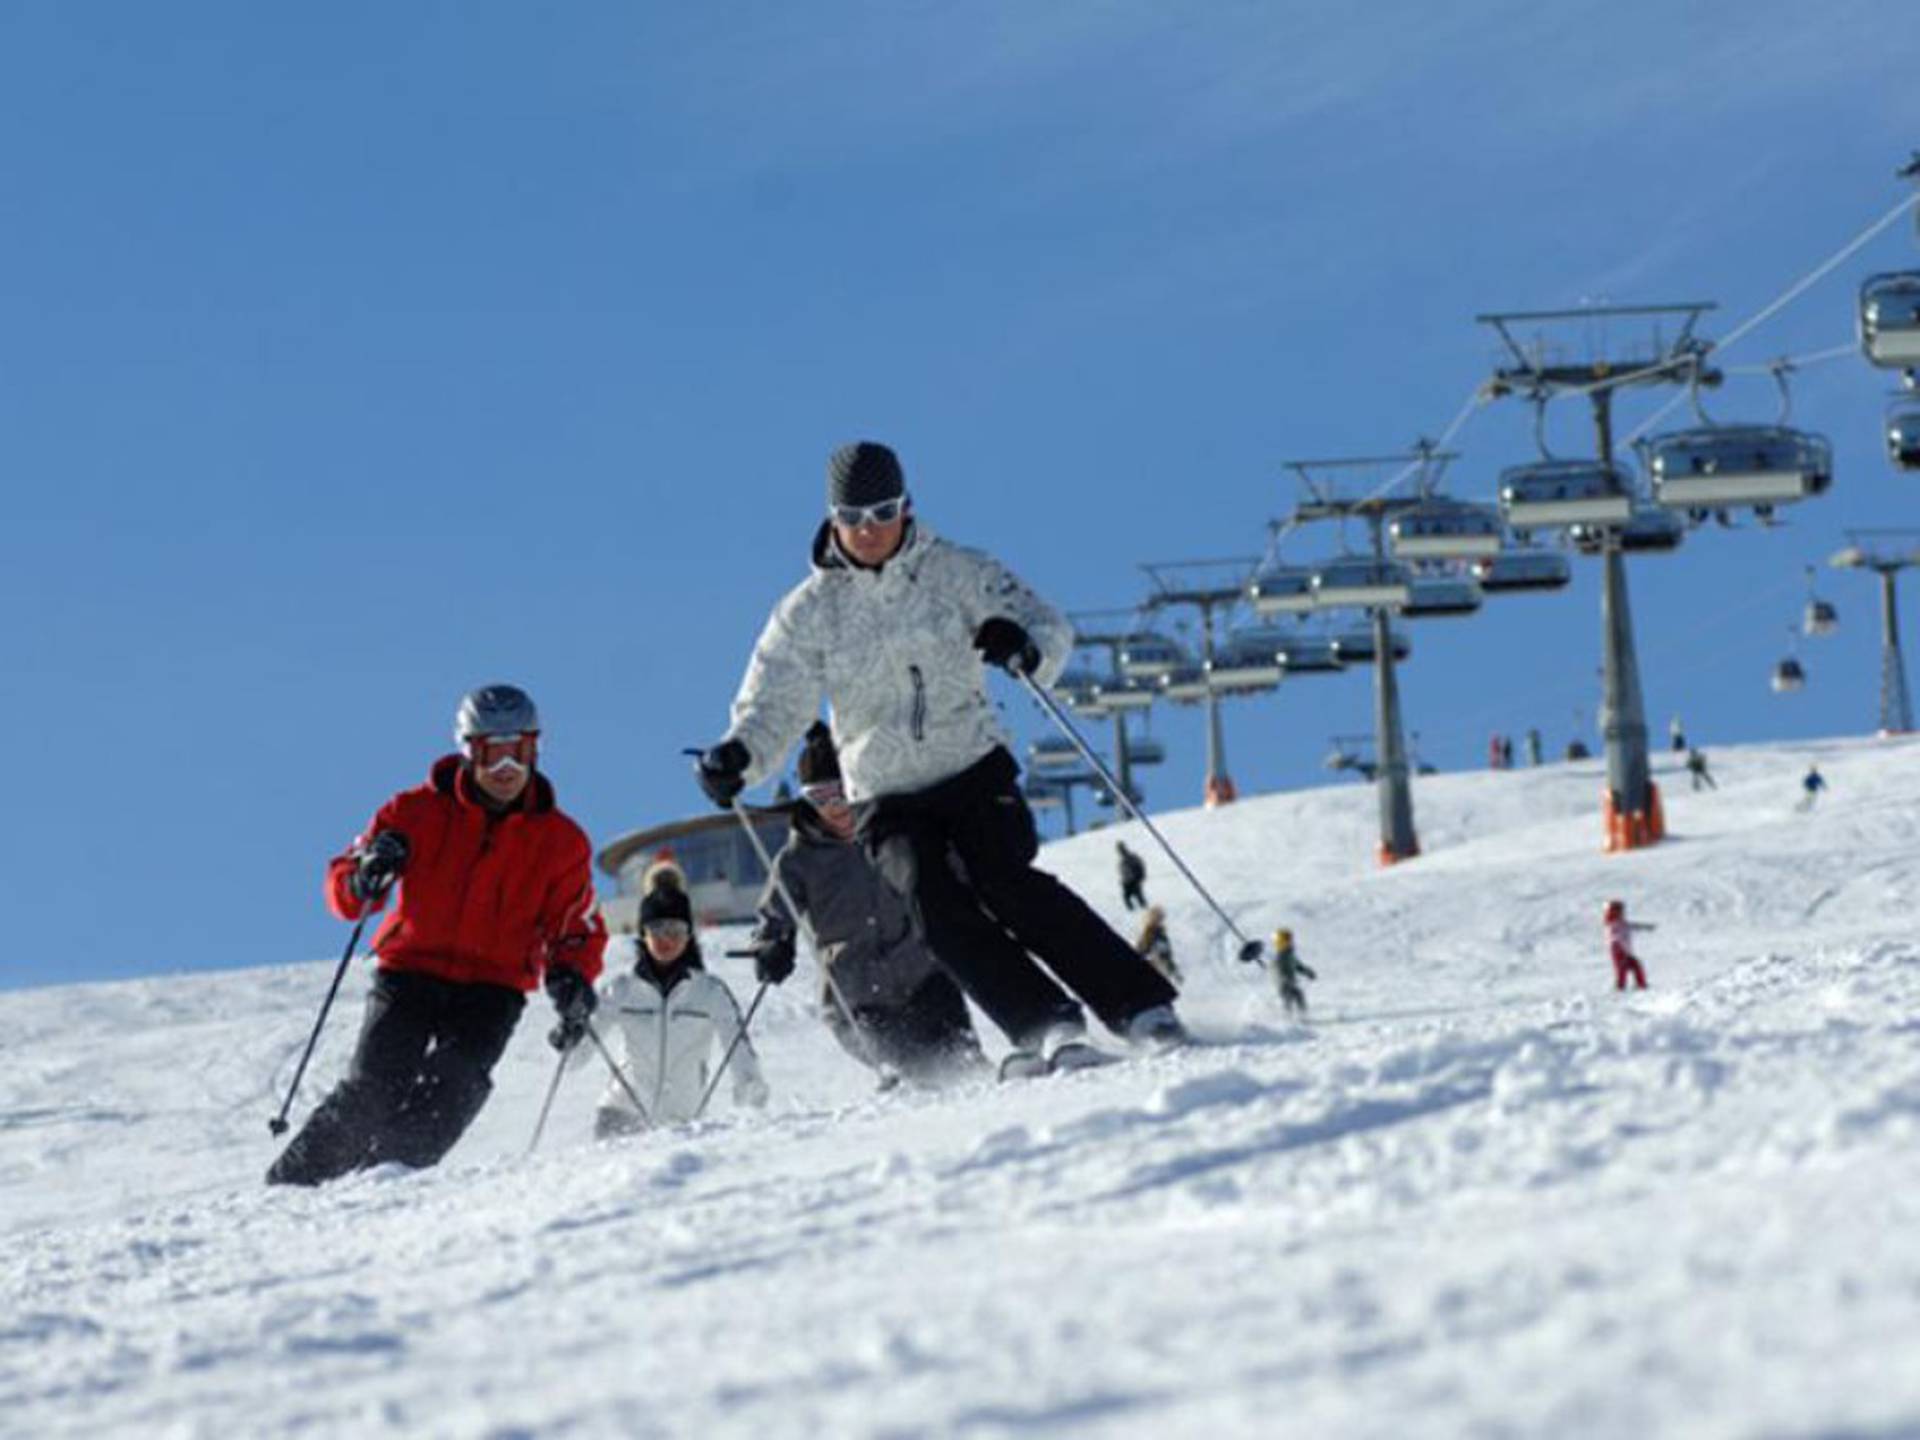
[[819, 762], [864, 473], [665, 901]]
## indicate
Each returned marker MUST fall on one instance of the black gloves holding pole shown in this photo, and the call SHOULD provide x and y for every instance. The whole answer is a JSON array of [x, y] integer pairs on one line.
[[380, 863], [573, 998], [1005, 643]]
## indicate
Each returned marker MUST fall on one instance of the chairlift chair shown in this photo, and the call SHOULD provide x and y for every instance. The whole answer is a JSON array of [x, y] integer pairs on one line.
[[1079, 687], [1148, 656], [1307, 654], [1281, 590], [1652, 530], [1121, 692], [1355, 646], [1044, 796], [1185, 685], [1361, 580], [1517, 571], [1435, 596], [1712, 467], [1248, 660], [1550, 493], [1440, 528], [1903, 433], [1890, 319], [1053, 755]]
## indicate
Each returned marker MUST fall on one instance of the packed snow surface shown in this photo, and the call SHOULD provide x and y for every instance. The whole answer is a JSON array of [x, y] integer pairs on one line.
[[1481, 1194]]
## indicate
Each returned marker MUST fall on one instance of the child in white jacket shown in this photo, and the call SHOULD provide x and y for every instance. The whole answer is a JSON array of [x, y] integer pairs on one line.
[[675, 1021]]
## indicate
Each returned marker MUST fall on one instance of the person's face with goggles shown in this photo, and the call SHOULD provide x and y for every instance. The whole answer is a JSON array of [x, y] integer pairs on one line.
[[870, 533], [666, 940], [829, 801], [503, 764]]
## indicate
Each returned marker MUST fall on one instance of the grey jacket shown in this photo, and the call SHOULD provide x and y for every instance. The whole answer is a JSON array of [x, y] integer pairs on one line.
[[866, 941], [892, 651]]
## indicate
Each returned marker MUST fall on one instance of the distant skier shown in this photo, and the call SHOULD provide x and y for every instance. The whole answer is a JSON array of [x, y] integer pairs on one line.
[[1534, 752], [1133, 876], [1288, 967], [1697, 769], [496, 887], [1577, 750], [1626, 965], [1153, 945], [894, 627], [1811, 784], [1676, 737], [908, 1019], [674, 1020]]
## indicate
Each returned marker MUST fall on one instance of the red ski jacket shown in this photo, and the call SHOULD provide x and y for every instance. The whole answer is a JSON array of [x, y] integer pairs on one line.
[[487, 897]]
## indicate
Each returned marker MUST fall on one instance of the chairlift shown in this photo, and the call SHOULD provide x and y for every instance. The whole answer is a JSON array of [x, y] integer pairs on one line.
[[1248, 660], [1890, 319], [1433, 596], [1042, 795], [1550, 493], [1121, 692], [1361, 580], [1053, 755], [1652, 530], [1355, 646], [1185, 685], [1281, 589], [1903, 433], [1516, 571], [1788, 676], [1079, 687], [1439, 528], [1305, 654], [1148, 656], [1714, 467]]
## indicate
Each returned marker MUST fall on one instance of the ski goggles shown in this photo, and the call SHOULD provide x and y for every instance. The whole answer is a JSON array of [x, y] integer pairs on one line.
[[827, 792], [490, 752], [668, 929], [852, 517]]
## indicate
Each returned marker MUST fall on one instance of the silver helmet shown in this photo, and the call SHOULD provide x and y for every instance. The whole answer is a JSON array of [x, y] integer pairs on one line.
[[495, 710]]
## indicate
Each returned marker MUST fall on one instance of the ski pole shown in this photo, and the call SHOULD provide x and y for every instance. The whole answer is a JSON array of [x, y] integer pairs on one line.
[[553, 1088], [727, 1059], [278, 1124], [813, 942], [618, 1074], [1249, 949]]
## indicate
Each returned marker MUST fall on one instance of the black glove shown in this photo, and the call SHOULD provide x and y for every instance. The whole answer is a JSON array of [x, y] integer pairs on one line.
[[772, 958], [380, 862], [573, 997], [720, 769], [1002, 642]]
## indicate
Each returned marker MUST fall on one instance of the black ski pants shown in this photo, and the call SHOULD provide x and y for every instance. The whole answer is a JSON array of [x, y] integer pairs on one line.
[[960, 853], [420, 1073]]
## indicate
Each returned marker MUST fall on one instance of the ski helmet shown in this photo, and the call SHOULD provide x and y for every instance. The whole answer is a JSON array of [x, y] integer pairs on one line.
[[495, 710], [1282, 938]]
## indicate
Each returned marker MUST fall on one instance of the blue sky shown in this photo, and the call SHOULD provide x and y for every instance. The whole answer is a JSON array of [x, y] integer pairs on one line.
[[352, 357]]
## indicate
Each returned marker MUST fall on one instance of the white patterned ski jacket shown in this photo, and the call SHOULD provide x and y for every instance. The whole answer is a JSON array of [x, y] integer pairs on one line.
[[670, 1040], [891, 650]]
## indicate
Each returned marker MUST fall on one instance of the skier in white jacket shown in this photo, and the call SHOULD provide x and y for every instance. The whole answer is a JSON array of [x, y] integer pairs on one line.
[[893, 628], [674, 1021]]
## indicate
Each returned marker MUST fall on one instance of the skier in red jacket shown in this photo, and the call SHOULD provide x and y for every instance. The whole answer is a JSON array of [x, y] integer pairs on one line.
[[496, 893], [1626, 965]]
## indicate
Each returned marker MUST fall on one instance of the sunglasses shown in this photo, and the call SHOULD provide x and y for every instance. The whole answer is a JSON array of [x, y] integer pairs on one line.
[[852, 517], [668, 929], [489, 750], [828, 792]]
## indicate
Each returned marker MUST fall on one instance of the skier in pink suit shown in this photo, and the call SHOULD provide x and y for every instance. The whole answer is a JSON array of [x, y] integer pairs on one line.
[[1620, 946]]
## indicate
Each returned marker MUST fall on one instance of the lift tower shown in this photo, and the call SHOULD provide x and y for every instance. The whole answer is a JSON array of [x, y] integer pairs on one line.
[[1540, 373], [1397, 838], [1207, 599], [1886, 553]]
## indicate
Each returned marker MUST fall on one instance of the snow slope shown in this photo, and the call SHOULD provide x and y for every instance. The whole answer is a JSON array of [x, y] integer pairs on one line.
[[1481, 1195]]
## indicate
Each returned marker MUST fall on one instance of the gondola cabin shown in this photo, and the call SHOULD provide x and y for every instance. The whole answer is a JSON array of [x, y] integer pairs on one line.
[[1890, 319], [1443, 529], [1720, 466], [1361, 580], [1281, 590], [1903, 435], [1820, 618], [1517, 571], [1550, 493], [1788, 676]]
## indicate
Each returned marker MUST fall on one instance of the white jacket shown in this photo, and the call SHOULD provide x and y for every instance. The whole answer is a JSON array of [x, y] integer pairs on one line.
[[669, 1043], [892, 651]]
